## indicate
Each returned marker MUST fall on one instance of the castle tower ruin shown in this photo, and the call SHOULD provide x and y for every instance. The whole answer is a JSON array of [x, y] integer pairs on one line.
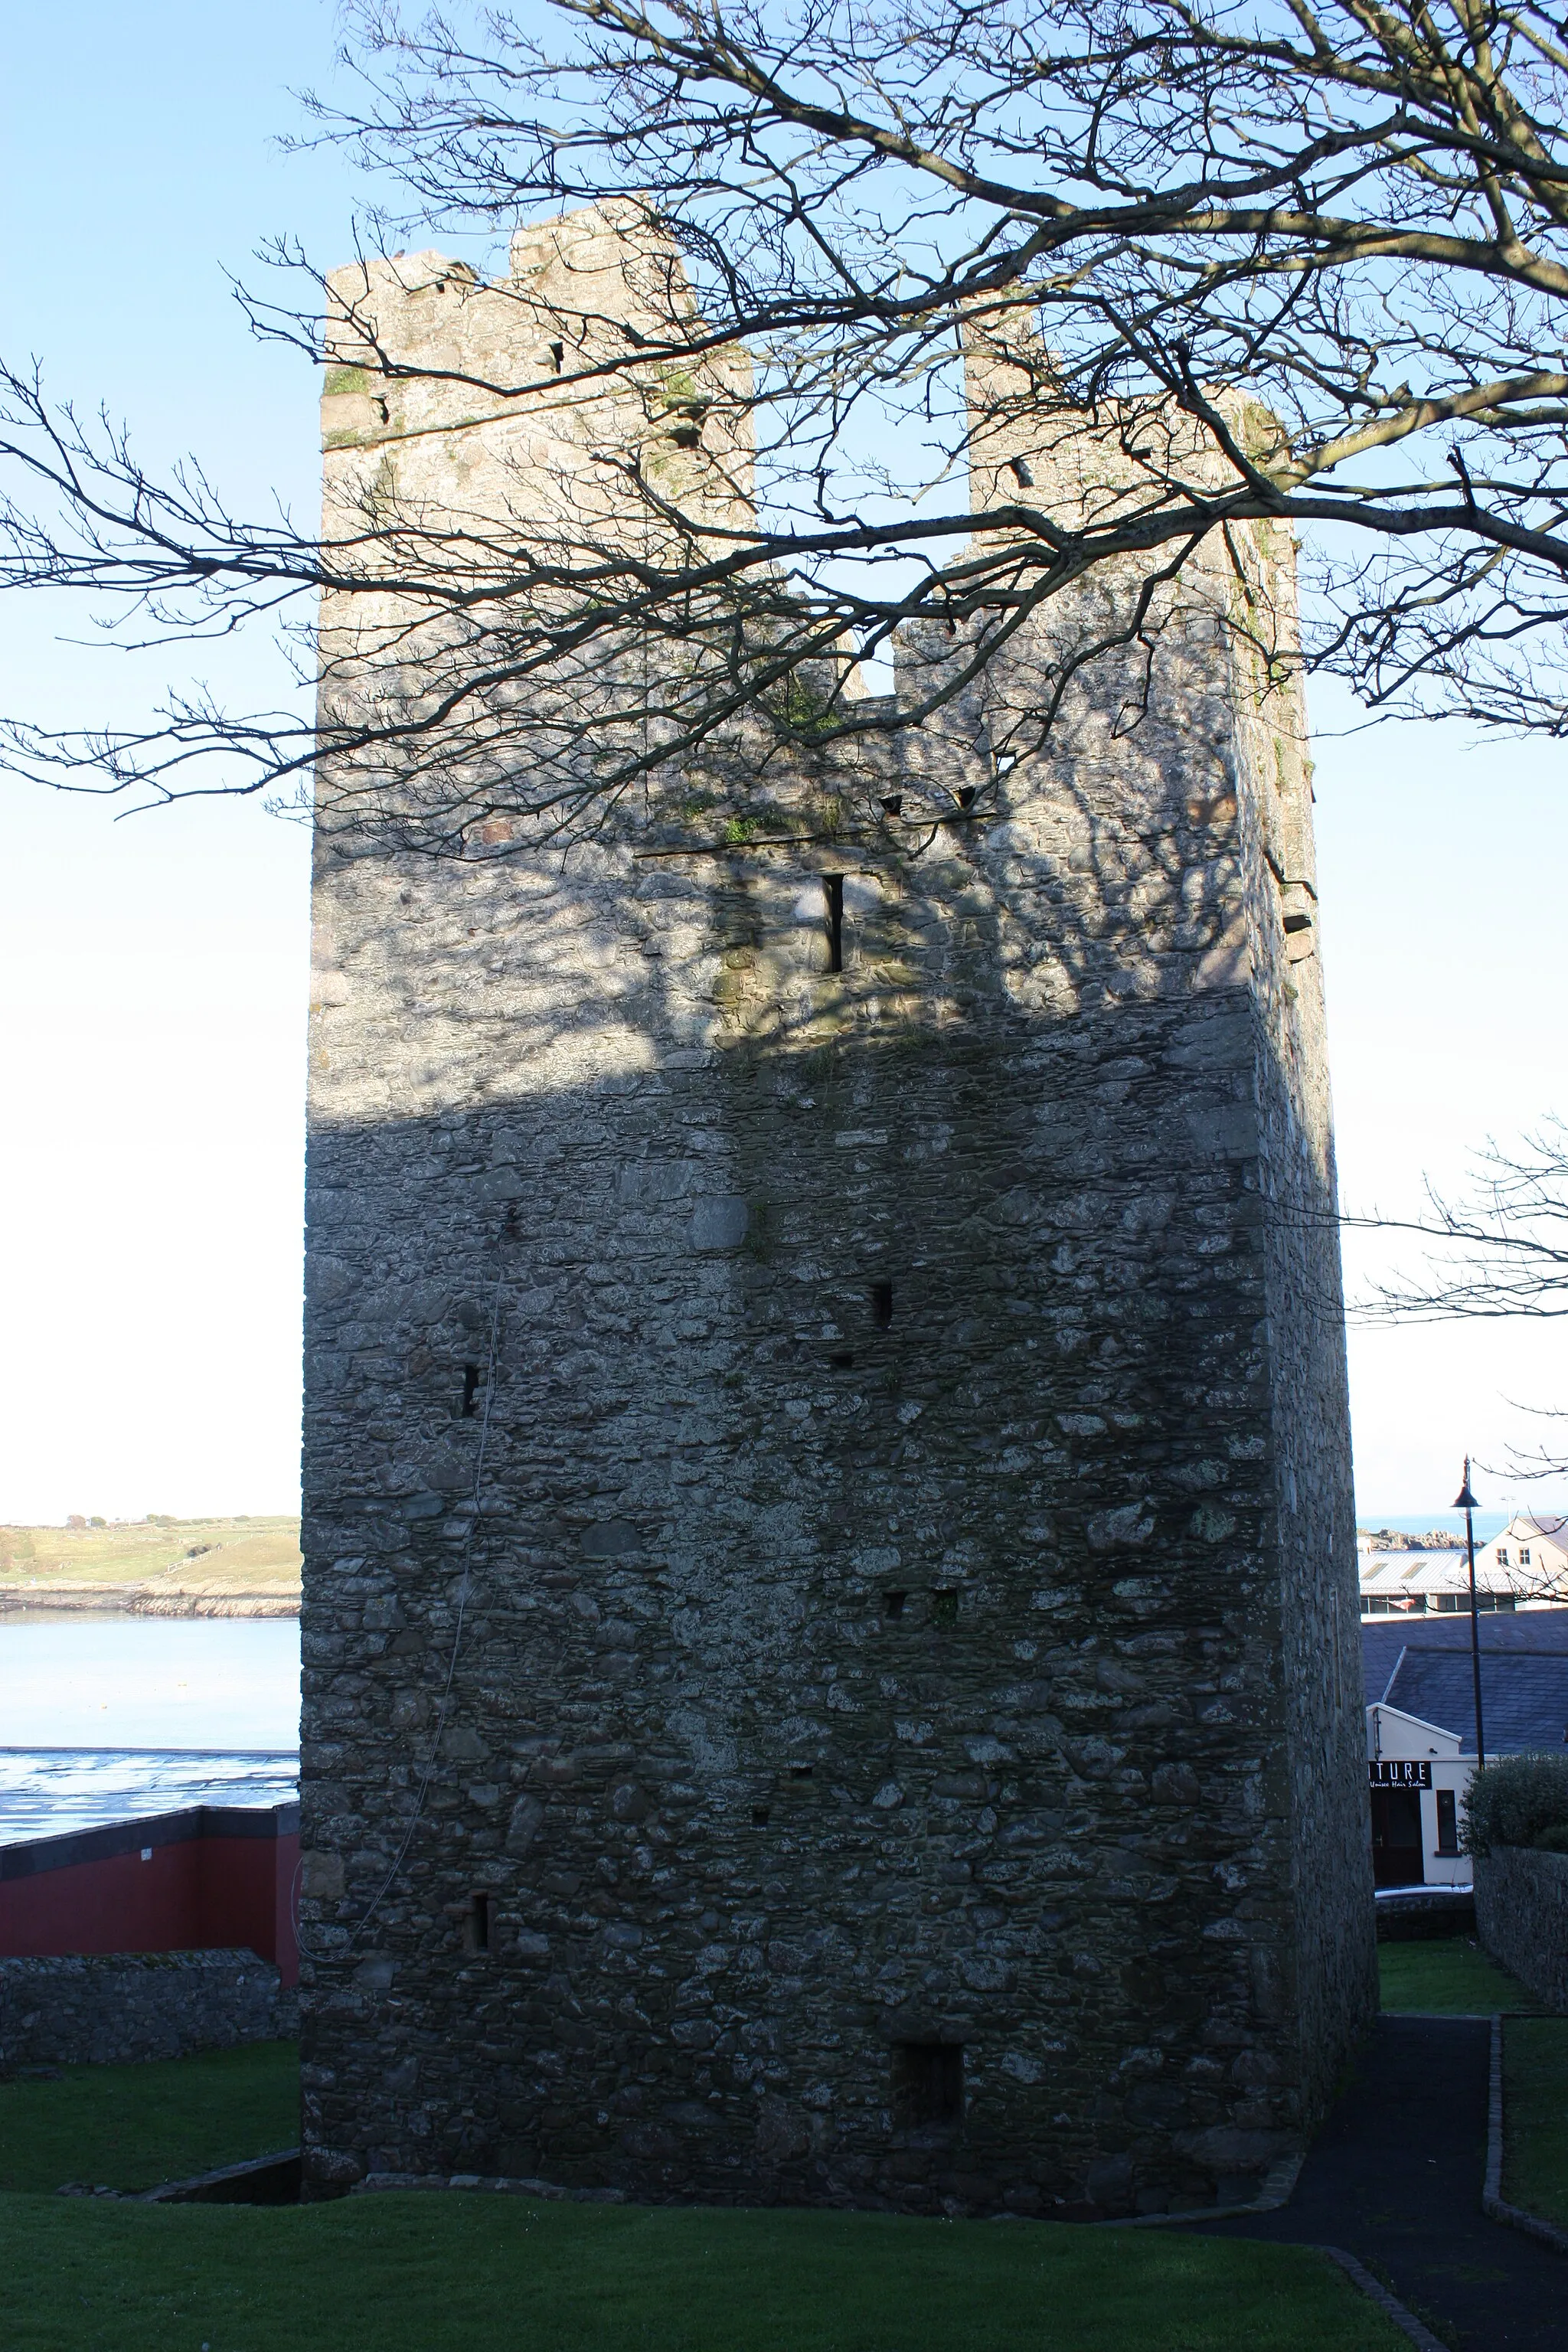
[[880, 1724]]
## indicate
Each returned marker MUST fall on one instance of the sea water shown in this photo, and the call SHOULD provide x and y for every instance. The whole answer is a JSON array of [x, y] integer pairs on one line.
[[107, 1718]]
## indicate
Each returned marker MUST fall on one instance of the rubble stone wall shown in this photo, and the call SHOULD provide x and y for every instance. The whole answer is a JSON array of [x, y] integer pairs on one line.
[[1521, 1912], [110, 2008], [899, 1704]]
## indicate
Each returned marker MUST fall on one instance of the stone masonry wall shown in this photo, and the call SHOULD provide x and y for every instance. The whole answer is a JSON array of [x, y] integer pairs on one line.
[[886, 1645], [111, 2010], [1521, 1911]]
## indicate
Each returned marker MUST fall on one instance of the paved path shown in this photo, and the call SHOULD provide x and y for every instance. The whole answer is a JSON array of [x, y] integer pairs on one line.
[[1394, 2177]]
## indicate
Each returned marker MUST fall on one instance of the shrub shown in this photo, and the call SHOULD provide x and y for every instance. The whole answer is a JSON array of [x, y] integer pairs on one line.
[[1515, 1801], [1553, 1841]]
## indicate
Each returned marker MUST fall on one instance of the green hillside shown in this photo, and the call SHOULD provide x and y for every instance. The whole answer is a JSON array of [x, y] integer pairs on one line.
[[158, 1567]]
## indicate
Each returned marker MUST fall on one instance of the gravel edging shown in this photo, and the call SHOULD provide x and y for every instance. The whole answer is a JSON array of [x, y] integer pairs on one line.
[[1493, 2202], [1389, 2305]]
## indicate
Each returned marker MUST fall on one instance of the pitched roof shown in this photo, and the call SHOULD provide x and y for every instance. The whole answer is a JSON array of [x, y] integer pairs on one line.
[[1431, 1571], [1524, 1694], [1383, 1639]]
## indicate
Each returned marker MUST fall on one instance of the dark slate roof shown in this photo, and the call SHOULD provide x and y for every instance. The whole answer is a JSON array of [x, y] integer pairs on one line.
[[1524, 1694], [1543, 1630]]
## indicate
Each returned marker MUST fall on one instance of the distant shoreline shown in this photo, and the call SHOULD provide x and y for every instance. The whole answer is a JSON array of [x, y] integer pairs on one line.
[[131, 1600], [158, 1567]]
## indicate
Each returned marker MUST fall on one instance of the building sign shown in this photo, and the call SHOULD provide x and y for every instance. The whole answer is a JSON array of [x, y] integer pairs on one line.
[[1400, 1772]]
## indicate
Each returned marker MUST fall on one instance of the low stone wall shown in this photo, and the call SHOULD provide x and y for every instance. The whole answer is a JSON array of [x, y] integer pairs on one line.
[[1521, 1913], [1413, 1913], [129, 2005]]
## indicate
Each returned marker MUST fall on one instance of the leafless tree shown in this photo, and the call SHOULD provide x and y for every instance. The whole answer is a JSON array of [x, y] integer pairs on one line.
[[1300, 268], [1499, 1250]]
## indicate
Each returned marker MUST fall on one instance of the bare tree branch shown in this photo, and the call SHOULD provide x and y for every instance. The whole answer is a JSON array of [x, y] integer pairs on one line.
[[1501, 1251], [1284, 268]]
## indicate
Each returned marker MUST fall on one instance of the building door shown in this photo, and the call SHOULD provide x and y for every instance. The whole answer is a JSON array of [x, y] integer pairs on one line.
[[1396, 1838]]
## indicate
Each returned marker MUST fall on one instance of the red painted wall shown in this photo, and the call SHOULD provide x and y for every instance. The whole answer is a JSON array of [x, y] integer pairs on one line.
[[193, 1893]]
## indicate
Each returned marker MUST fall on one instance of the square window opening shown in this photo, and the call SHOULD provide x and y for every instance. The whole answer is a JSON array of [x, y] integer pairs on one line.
[[927, 2086]]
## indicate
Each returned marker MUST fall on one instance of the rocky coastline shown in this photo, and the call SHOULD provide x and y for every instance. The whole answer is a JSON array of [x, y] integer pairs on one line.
[[134, 1601], [239, 1566]]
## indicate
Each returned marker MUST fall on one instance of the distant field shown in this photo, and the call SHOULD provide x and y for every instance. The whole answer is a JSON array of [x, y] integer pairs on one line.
[[155, 1567]]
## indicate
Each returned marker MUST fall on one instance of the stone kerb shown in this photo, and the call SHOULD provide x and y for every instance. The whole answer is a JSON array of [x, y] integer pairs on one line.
[[1521, 1912]]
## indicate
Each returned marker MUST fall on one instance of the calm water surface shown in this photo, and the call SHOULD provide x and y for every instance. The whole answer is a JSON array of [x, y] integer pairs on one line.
[[105, 1719]]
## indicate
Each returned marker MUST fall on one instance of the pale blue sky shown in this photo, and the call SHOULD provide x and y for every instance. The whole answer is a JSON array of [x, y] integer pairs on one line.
[[153, 970]]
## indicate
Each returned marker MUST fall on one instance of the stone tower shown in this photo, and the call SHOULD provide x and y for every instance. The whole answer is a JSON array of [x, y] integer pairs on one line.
[[880, 1723]]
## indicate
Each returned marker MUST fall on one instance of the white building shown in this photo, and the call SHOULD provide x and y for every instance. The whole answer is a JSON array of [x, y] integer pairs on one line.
[[1421, 1728], [1530, 1557], [1526, 1566], [1418, 1780], [1430, 1583]]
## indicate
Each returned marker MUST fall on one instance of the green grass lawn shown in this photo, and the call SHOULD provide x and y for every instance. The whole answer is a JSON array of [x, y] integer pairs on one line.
[[482, 2273], [1448, 1976], [133, 2127], [412, 2273], [1535, 2116]]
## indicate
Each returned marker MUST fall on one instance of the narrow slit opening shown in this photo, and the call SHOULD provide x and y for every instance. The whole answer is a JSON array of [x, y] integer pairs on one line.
[[893, 1604], [470, 1390], [944, 1605], [476, 1922], [882, 1304], [833, 892]]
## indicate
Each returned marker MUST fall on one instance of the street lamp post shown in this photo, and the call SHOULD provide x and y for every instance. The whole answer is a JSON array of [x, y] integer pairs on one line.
[[1465, 1501]]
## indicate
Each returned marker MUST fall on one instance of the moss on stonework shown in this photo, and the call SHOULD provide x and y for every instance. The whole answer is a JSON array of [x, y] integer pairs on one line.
[[798, 709], [678, 388], [342, 380]]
